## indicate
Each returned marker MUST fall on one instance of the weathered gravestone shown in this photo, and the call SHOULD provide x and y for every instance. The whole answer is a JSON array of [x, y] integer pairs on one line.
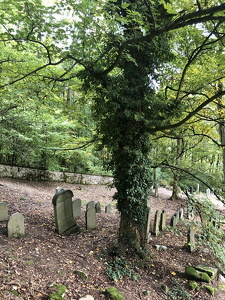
[[98, 207], [15, 226], [181, 213], [174, 219], [63, 212], [91, 218], [156, 223], [208, 192], [108, 209], [190, 240], [76, 203], [3, 211], [90, 204], [162, 224]]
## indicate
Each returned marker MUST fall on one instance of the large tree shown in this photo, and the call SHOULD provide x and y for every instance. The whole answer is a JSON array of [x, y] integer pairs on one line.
[[120, 47]]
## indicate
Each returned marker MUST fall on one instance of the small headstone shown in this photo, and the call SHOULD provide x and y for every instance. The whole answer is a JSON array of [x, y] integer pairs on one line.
[[191, 240], [191, 190], [156, 223], [181, 213], [3, 211], [58, 189], [98, 207], [63, 212], [15, 226], [174, 219], [76, 203], [197, 188], [208, 192], [90, 204], [91, 218], [108, 209], [162, 224]]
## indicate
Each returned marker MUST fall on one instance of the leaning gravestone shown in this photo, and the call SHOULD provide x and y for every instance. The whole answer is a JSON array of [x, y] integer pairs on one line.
[[15, 226], [63, 212], [3, 211], [91, 218], [76, 203]]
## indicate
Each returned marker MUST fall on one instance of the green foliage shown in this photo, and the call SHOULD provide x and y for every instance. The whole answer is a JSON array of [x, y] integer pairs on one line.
[[177, 292], [113, 294], [118, 268]]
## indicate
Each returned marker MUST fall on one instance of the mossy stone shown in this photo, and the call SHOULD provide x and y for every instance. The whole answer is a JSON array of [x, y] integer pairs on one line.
[[82, 275], [60, 292], [165, 288], [193, 285], [194, 274], [210, 289], [113, 294]]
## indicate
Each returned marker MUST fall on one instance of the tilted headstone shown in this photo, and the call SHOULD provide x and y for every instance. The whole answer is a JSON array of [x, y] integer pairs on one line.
[[108, 209], [162, 224], [63, 211], [3, 211], [15, 226], [91, 222], [76, 203], [90, 204], [156, 223], [190, 240], [98, 207], [148, 234]]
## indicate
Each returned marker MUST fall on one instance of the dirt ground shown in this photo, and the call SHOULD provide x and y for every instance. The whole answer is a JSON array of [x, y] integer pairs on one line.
[[28, 266]]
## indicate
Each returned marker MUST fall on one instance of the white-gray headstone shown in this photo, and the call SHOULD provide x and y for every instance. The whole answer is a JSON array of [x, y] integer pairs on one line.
[[162, 224], [15, 226], [156, 223], [3, 211]]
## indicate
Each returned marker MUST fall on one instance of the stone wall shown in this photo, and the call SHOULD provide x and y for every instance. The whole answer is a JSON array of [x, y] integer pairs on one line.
[[44, 175]]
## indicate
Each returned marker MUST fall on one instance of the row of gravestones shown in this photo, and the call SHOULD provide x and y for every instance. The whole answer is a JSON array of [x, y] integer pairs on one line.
[[160, 221], [197, 190], [15, 223], [66, 210]]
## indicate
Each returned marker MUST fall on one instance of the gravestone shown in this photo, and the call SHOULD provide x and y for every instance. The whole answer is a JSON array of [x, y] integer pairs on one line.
[[90, 204], [108, 209], [197, 188], [174, 219], [15, 226], [191, 190], [3, 211], [162, 224], [156, 223], [98, 207], [63, 212], [181, 213], [208, 192], [76, 203], [190, 240], [148, 234], [90, 218]]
